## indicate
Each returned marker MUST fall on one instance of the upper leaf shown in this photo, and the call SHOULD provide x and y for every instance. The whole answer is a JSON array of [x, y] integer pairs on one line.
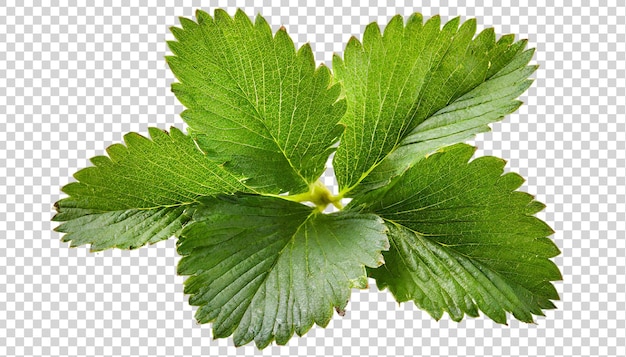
[[254, 101], [463, 239], [140, 193], [418, 87], [264, 268]]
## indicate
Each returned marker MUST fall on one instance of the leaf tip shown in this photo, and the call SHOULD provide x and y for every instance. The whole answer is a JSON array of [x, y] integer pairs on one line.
[[354, 44], [372, 34], [202, 16], [240, 12], [132, 139], [282, 31], [92, 249], [340, 311], [415, 17], [242, 18], [174, 29], [261, 23], [396, 21], [186, 23], [381, 259], [221, 14], [506, 39], [305, 54], [454, 22]]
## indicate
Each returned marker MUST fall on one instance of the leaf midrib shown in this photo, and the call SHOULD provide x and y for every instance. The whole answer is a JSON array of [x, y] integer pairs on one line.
[[271, 268], [411, 114], [261, 118]]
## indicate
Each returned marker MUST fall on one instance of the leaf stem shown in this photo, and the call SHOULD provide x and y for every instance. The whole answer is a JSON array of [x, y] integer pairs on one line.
[[319, 195]]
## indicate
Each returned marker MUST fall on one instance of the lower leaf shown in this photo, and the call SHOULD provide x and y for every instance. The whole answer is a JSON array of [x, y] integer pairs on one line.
[[125, 229], [438, 278], [262, 268], [463, 239]]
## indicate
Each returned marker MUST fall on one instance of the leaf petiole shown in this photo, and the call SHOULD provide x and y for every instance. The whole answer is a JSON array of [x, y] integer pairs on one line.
[[318, 194]]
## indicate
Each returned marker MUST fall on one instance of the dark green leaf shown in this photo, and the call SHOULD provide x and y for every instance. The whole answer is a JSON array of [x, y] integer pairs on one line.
[[262, 268], [462, 239]]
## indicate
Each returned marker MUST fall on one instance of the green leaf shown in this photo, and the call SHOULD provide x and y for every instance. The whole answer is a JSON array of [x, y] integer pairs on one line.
[[255, 101], [418, 87], [262, 268], [455, 236], [462, 239], [141, 193]]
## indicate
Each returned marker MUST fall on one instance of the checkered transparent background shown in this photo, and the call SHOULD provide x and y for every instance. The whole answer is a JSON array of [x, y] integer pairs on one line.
[[74, 78]]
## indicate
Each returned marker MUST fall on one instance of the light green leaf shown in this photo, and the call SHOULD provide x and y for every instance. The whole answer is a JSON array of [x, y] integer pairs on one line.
[[255, 101], [462, 239], [418, 87], [141, 193], [465, 117], [262, 268]]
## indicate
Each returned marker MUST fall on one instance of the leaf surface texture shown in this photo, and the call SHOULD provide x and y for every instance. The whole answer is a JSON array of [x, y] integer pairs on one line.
[[262, 268], [141, 192], [255, 101], [417, 87], [463, 239]]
